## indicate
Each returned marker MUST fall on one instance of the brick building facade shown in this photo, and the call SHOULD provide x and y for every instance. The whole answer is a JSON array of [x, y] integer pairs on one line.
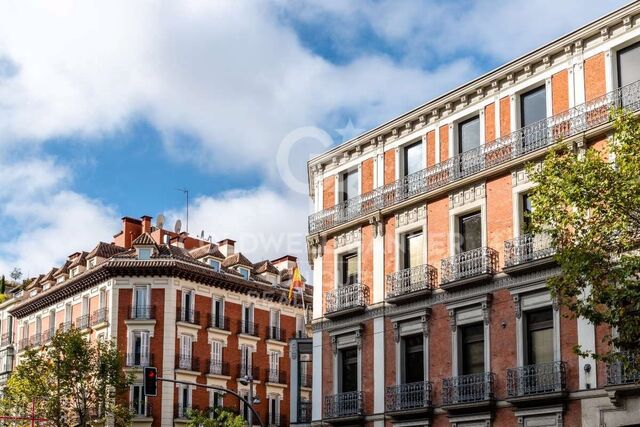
[[198, 311], [430, 302]]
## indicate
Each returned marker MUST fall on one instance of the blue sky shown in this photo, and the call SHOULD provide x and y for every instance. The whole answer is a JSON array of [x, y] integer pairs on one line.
[[106, 109]]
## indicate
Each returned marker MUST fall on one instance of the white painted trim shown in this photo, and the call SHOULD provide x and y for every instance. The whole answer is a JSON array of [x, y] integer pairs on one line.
[[378, 365]]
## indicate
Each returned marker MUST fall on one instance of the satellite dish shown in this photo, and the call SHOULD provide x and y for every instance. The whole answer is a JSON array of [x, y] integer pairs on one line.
[[160, 221], [178, 227], [202, 235]]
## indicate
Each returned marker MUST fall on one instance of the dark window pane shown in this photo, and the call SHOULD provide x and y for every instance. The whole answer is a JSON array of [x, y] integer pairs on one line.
[[469, 134], [470, 227], [349, 370], [350, 185], [629, 65], [472, 341], [526, 211], [539, 326], [413, 158], [533, 106], [413, 359], [413, 250], [349, 269]]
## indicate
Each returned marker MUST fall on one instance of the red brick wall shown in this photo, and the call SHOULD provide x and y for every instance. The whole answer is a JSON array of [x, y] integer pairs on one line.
[[569, 334], [431, 148], [327, 269], [560, 91], [444, 142], [437, 231], [503, 340], [389, 354], [367, 364], [329, 195], [367, 257], [327, 365], [594, 77], [439, 349], [601, 348], [505, 116], [499, 214], [367, 175], [389, 166], [490, 122], [390, 245]]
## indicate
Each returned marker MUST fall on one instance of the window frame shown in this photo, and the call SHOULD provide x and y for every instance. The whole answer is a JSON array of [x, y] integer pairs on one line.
[[458, 134]]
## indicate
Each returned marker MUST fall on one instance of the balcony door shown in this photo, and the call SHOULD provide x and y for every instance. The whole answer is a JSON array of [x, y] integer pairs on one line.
[[472, 349], [140, 302], [539, 336], [470, 232], [348, 380], [349, 269], [412, 163], [350, 185], [629, 65], [533, 109], [469, 139], [413, 359], [412, 250]]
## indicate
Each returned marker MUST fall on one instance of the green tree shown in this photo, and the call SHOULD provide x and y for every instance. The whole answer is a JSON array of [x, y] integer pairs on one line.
[[589, 205], [214, 417], [74, 381], [16, 274], [3, 285]]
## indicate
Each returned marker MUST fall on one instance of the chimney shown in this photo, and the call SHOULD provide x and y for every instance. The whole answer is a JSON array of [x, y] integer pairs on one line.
[[227, 247], [146, 224], [285, 262]]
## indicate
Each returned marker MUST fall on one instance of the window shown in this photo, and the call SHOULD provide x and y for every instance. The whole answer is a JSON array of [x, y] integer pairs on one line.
[[350, 185], [274, 323], [218, 312], [138, 401], [139, 355], [274, 410], [33, 293], [185, 351], [188, 303], [215, 264], [413, 158], [274, 366], [525, 207], [539, 336], [216, 357], [244, 272], [247, 319], [348, 370], [469, 134], [533, 106], [67, 312], [413, 358], [412, 249], [629, 65], [58, 280], [216, 399], [472, 345], [185, 400], [470, 230], [102, 298], [349, 269], [46, 286], [140, 298], [246, 360], [300, 326], [144, 253]]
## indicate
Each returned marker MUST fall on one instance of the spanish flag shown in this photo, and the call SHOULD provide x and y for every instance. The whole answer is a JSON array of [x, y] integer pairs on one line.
[[296, 282]]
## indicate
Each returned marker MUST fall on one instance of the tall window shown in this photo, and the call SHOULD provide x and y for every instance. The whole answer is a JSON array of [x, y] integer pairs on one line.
[[348, 370], [247, 318], [274, 410], [216, 357], [412, 249], [533, 106], [218, 312], [525, 206], [349, 269], [539, 327], [185, 351], [139, 355], [629, 65], [185, 400], [472, 346], [245, 361], [469, 134], [216, 399], [413, 158], [470, 230], [188, 304], [138, 401], [274, 366], [413, 352], [300, 326], [274, 321], [140, 298], [350, 185]]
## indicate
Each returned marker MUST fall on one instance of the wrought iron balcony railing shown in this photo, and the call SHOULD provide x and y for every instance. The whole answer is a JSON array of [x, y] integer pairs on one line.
[[277, 334], [343, 405], [65, 326], [47, 334], [218, 322], [472, 388], [537, 379], [218, 368], [247, 328], [188, 316], [304, 412], [6, 339], [141, 409], [187, 362], [523, 141], [466, 265], [138, 360], [142, 312], [99, 316], [275, 376], [248, 371], [527, 248], [347, 298], [620, 374], [83, 321], [35, 340], [410, 396], [181, 411], [411, 280], [277, 420]]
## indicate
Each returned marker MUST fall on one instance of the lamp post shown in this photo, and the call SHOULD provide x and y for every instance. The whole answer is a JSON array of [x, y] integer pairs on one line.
[[248, 380]]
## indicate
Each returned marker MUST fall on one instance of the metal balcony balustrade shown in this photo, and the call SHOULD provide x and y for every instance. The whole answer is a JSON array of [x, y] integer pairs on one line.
[[47, 335], [521, 142], [346, 299], [35, 340], [65, 326], [82, 322], [542, 378], [218, 322], [410, 396], [620, 374], [276, 376], [468, 265], [141, 312], [248, 371], [181, 411], [187, 362], [472, 388], [343, 405], [410, 281], [277, 334], [138, 360], [188, 316], [6, 339], [99, 316], [141, 409], [217, 367], [527, 248], [304, 412], [248, 328]]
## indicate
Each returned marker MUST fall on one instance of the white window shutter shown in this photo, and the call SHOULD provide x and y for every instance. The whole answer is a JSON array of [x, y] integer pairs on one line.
[[144, 348]]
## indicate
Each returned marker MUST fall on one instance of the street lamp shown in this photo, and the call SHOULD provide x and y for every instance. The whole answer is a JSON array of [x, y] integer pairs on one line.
[[254, 400]]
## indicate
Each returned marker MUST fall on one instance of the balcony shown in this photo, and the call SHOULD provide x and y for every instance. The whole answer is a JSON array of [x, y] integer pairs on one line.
[[23, 344], [534, 384], [181, 411], [471, 391], [99, 316], [141, 409], [141, 312], [276, 334], [408, 399], [345, 300], [35, 340], [187, 362], [218, 368], [275, 376], [411, 283], [47, 335], [474, 266], [138, 360], [277, 420], [520, 144], [248, 371], [623, 379], [82, 322], [304, 412], [527, 252], [5, 340], [248, 328], [65, 326], [188, 316], [344, 407], [218, 322]]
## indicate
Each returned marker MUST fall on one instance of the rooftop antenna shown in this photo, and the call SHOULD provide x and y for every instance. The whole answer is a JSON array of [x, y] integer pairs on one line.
[[160, 221], [177, 227], [202, 235], [210, 239], [186, 192]]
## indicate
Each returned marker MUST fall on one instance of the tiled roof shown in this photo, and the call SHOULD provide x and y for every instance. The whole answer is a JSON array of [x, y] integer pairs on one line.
[[206, 250], [63, 270], [144, 239], [237, 259], [265, 267], [79, 260], [105, 250]]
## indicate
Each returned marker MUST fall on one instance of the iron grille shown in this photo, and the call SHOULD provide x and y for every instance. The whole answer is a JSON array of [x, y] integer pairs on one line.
[[247, 328], [409, 280], [527, 248], [619, 374], [499, 151], [99, 316], [347, 297], [187, 362], [47, 334], [536, 379], [341, 405], [83, 321], [218, 322], [35, 340], [277, 334], [304, 412], [6, 339], [218, 368], [138, 360], [249, 371], [276, 376], [142, 312], [66, 326], [468, 388], [408, 396], [188, 316], [475, 262], [141, 409]]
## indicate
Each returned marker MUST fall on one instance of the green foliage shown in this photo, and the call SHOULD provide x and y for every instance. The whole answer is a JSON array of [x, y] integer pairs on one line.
[[3, 285], [16, 274], [73, 381], [590, 206], [214, 417]]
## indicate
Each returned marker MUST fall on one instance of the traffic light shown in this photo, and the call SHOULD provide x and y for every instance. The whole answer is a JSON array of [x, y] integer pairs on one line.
[[150, 381]]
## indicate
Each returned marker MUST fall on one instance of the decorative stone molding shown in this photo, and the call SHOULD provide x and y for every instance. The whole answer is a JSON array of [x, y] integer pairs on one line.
[[485, 311], [396, 331], [452, 320], [411, 216], [348, 238], [518, 306], [627, 22], [378, 225], [359, 339], [519, 177], [334, 345], [293, 349], [467, 195], [425, 323]]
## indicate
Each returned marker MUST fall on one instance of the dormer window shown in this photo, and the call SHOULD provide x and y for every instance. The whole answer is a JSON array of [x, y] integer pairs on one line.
[[33, 293], [92, 263], [74, 271], [19, 294], [144, 253], [60, 279], [46, 286], [215, 264], [244, 272]]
